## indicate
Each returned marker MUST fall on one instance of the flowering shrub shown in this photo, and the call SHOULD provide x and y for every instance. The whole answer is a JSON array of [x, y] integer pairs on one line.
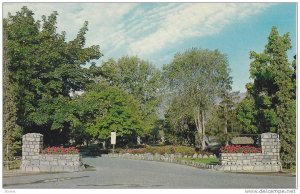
[[60, 150], [240, 149]]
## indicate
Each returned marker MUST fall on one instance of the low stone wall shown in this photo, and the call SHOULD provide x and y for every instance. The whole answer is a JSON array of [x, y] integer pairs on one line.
[[267, 161], [171, 158], [257, 162], [54, 163], [33, 160]]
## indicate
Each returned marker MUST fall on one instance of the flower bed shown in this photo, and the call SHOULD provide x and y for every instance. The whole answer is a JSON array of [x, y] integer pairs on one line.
[[240, 149], [60, 150]]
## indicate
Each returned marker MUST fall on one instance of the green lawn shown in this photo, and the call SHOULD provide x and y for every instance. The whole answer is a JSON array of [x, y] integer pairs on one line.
[[210, 161], [289, 171]]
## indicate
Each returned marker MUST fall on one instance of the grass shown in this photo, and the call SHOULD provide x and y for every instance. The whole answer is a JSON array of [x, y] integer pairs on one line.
[[289, 171], [209, 161]]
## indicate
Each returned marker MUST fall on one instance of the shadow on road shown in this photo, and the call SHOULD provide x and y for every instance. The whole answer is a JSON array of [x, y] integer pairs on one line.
[[46, 181], [120, 185]]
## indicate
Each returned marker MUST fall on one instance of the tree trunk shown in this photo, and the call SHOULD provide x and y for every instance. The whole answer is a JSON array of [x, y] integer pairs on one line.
[[225, 124], [203, 131], [104, 145], [198, 135], [199, 121]]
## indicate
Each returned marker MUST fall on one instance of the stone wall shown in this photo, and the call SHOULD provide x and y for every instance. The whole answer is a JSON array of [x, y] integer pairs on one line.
[[59, 162], [267, 161], [33, 160]]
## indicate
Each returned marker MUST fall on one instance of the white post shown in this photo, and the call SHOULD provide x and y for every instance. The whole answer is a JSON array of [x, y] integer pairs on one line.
[[113, 140], [138, 139]]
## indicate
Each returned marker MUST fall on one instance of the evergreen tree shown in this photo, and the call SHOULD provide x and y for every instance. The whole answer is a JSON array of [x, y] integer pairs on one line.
[[226, 104], [11, 130], [246, 113], [273, 91]]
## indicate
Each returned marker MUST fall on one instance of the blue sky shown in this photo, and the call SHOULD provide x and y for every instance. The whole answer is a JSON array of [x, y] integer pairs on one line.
[[157, 31]]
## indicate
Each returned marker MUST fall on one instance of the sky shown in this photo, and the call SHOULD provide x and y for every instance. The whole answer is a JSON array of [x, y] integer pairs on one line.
[[157, 31]]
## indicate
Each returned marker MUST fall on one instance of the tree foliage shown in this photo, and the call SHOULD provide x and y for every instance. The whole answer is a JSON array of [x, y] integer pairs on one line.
[[222, 120], [11, 130], [104, 109], [140, 79], [45, 69], [196, 78], [246, 113], [179, 126], [42, 69], [273, 92]]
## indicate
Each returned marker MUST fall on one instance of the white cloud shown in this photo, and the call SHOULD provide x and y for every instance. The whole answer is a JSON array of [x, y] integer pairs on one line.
[[102, 17], [131, 28], [193, 20]]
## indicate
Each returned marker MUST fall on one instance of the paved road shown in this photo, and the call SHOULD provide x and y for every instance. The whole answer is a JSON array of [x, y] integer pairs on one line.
[[122, 173]]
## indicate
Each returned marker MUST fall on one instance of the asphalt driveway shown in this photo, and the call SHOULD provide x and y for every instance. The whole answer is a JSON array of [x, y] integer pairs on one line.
[[121, 173]]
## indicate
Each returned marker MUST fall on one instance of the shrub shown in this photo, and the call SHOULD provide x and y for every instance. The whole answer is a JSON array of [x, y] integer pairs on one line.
[[240, 149], [60, 150], [184, 150], [135, 151]]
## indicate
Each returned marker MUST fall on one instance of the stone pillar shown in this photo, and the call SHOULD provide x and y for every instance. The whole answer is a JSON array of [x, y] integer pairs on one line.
[[270, 144], [32, 145]]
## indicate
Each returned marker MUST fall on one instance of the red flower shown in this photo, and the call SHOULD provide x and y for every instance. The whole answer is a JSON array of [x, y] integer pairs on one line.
[[60, 150], [240, 149]]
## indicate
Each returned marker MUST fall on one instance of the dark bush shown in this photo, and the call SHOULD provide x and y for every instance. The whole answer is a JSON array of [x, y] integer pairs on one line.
[[184, 150]]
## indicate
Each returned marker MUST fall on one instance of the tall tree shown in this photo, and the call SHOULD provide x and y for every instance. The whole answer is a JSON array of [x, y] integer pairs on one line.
[[274, 92], [246, 113], [103, 109], [197, 76], [179, 124], [140, 79], [45, 69], [222, 120], [11, 130], [226, 104]]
